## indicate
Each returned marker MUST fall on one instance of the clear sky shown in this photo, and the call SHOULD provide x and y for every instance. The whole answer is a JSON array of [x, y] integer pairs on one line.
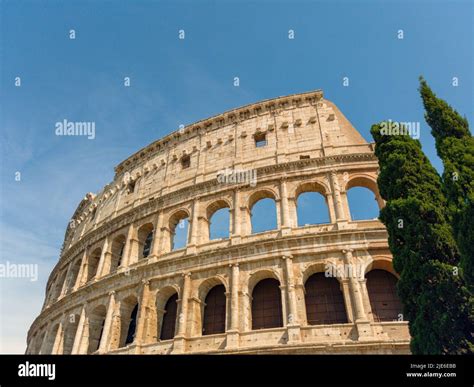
[[177, 82]]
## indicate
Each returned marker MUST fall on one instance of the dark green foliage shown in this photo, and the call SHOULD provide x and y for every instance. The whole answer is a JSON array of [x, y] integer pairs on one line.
[[433, 294], [455, 146]]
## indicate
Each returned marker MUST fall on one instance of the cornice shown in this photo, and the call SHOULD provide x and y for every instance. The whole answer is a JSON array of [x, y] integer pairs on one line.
[[230, 117]]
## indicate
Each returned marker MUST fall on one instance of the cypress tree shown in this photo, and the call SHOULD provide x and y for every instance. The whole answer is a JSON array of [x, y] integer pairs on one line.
[[435, 300], [455, 147]]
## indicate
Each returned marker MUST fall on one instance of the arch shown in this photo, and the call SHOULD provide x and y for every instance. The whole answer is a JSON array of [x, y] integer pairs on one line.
[[208, 284], [70, 333], [214, 311], [128, 314], [145, 239], [382, 290], [218, 219], [368, 182], [93, 263], [168, 323], [324, 300], [312, 208], [74, 274], [260, 274], [39, 342], [267, 311], [265, 193], [362, 203], [58, 286], [96, 321], [179, 229], [263, 211], [319, 267], [310, 186], [362, 180], [383, 262], [117, 251]]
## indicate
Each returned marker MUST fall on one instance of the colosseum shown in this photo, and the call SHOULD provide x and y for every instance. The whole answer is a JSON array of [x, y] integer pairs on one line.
[[122, 286]]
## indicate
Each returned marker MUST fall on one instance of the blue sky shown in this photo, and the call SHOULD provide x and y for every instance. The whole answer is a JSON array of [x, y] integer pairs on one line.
[[177, 82]]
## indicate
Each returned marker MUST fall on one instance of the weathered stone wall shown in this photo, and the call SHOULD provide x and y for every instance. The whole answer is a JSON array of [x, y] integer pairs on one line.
[[310, 147]]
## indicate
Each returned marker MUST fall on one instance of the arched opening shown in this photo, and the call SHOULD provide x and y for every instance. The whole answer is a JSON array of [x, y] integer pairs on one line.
[[117, 250], [260, 139], [38, 343], [185, 161], [362, 203], [129, 314], [384, 301], [93, 264], [59, 285], [263, 212], [51, 338], [132, 326], [312, 209], [73, 275], [145, 240], [214, 311], [131, 187], [70, 333], [96, 328], [168, 325], [147, 245], [219, 220], [179, 229], [266, 305], [324, 301]]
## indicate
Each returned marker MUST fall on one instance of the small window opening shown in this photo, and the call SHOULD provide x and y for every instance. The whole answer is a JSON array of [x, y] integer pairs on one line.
[[260, 139], [131, 187], [186, 161]]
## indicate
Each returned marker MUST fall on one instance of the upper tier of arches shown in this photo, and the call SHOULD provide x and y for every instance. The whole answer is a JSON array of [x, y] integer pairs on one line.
[[289, 205]]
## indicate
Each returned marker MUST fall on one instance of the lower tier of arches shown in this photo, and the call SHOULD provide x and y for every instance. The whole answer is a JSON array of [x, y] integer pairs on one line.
[[234, 311]]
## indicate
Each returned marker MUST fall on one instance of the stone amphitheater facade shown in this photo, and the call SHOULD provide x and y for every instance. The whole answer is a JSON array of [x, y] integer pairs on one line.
[[121, 287]]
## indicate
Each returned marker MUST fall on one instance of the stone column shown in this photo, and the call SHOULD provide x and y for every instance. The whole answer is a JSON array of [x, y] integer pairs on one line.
[[284, 303], [346, 293], [105, 256], [155, 247], [64, 289], [363, 325], [285, 212], [294, 333], [292, 317], [204, 232], [115, 331], [292, 211], [79, 332], [104, 344], [142, 317], [247, 311], [193, 242], [340, 216], [165, 239], [180, 338], [246, 221], [236, 218], [128, 248], [330, 204], [59, 339], [233, 333], [82, 271], [365, 298]]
